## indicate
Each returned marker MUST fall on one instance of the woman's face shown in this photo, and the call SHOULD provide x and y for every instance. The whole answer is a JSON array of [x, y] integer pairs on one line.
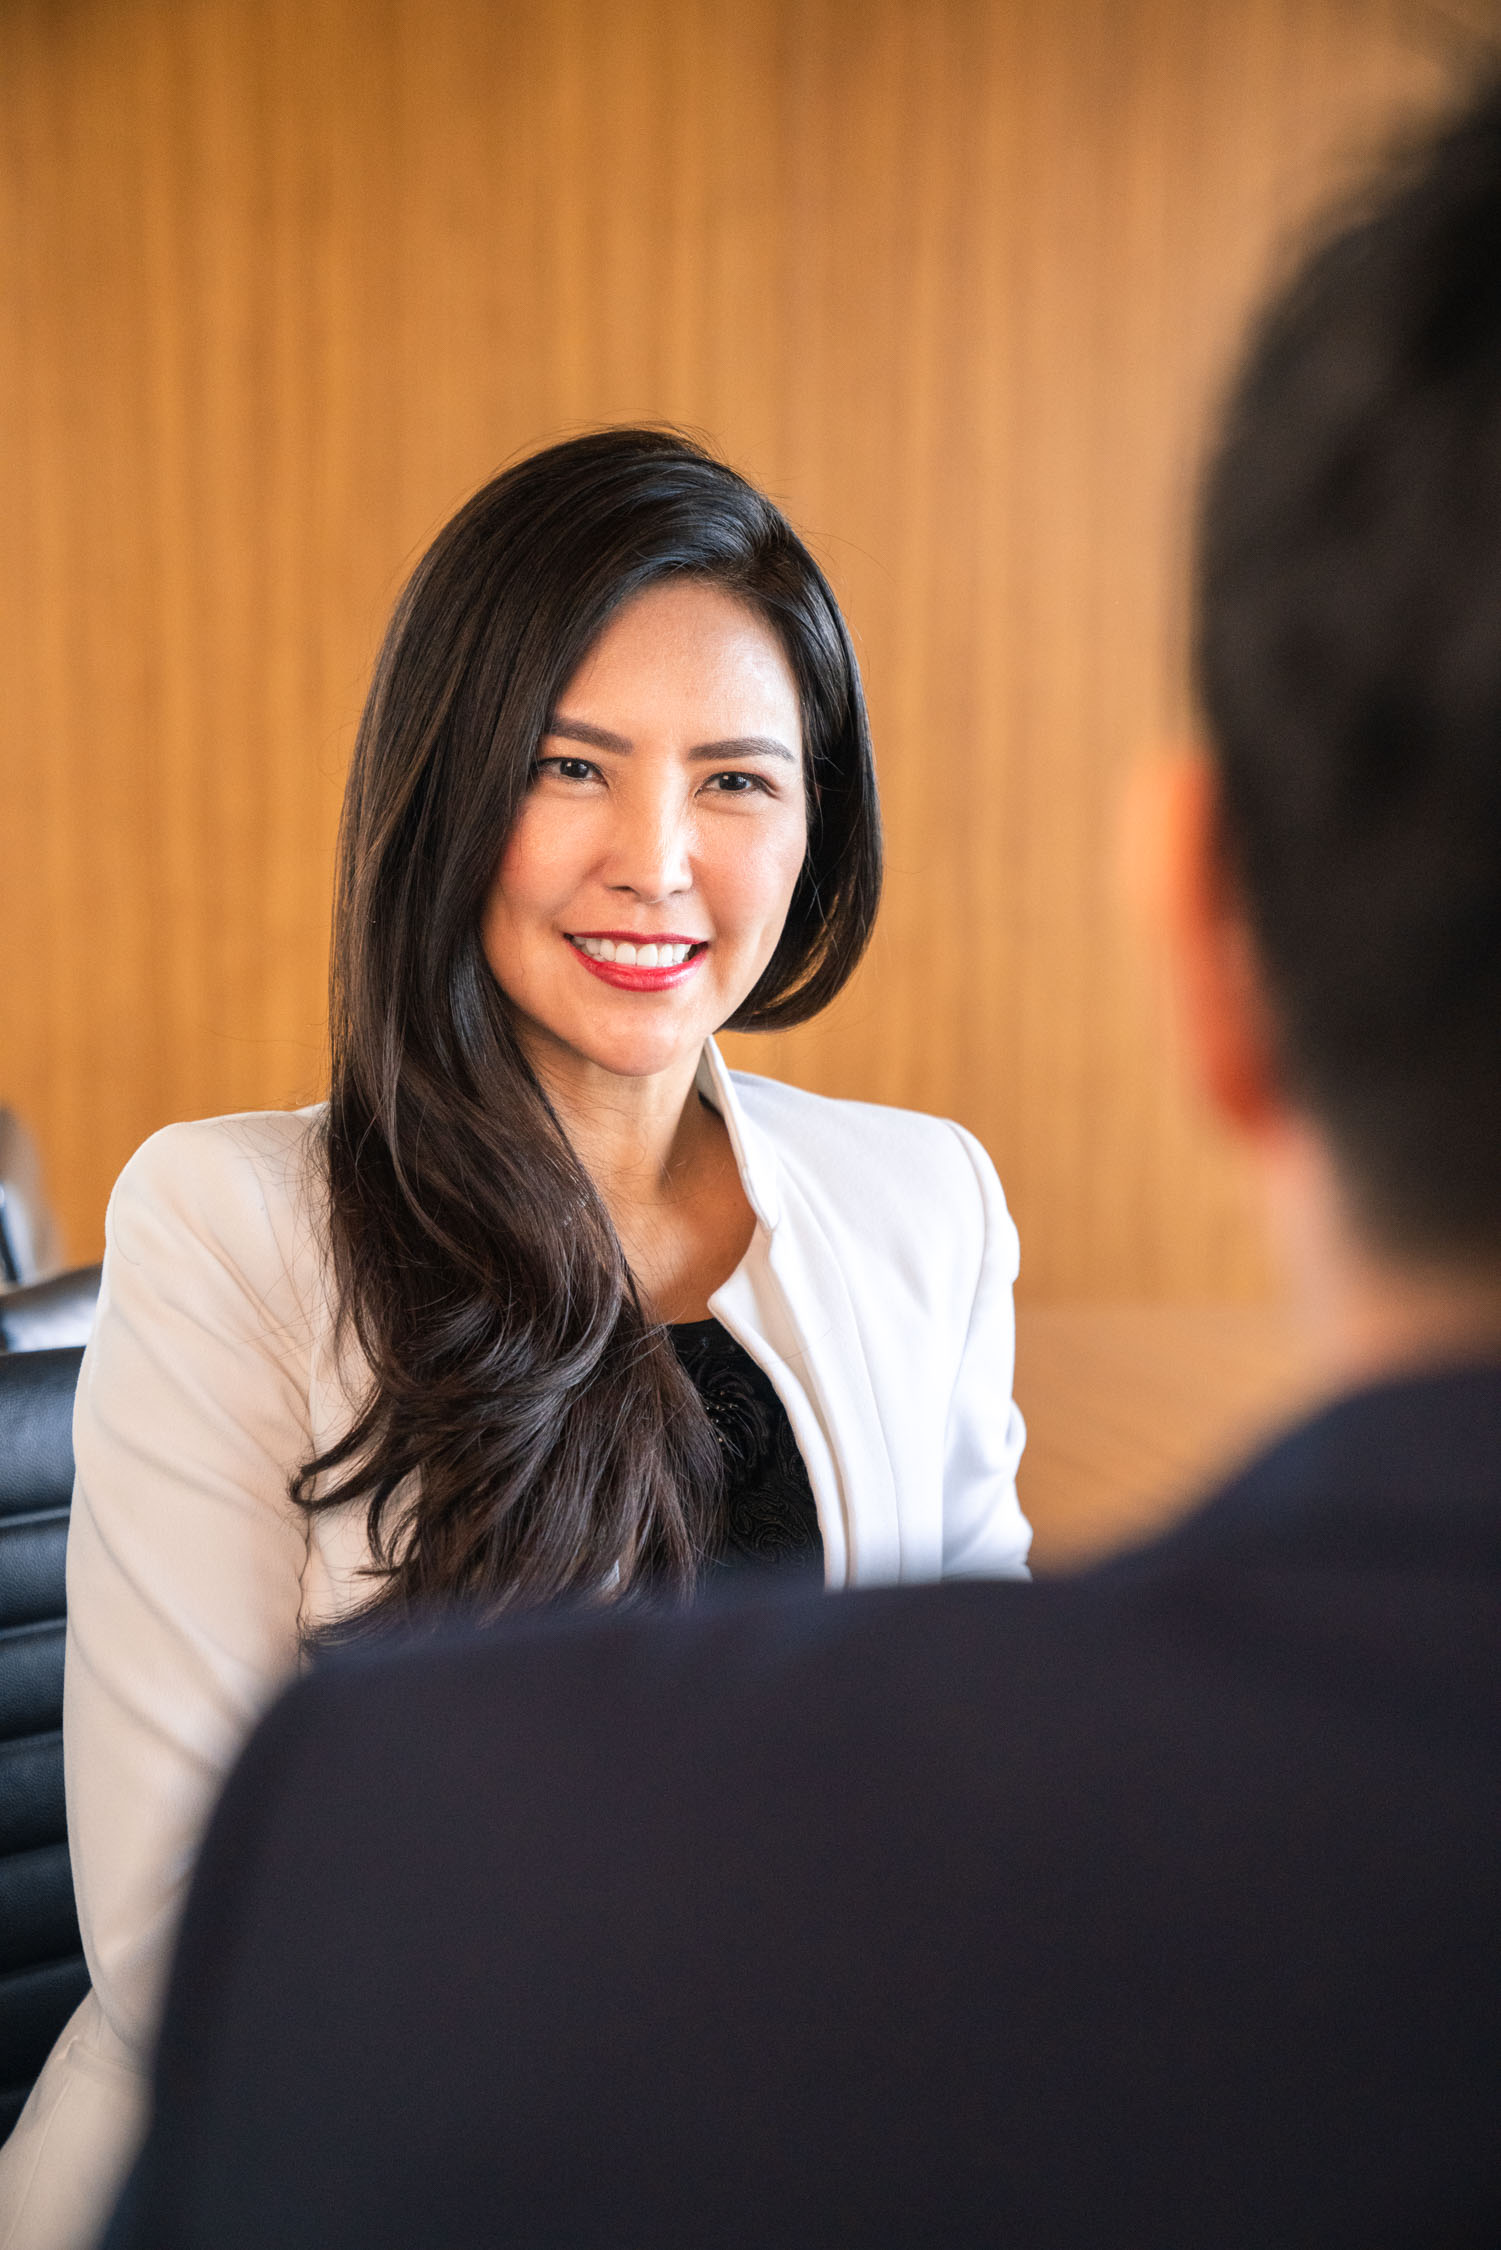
[[667, 812]]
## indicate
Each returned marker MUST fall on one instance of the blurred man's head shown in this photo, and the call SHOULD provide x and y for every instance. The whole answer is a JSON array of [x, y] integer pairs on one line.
[[1349, 655]]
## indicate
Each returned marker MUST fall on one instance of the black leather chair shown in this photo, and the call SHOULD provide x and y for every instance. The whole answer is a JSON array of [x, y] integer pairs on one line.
[[28, 1233], [42, 1971], [48, 1314]]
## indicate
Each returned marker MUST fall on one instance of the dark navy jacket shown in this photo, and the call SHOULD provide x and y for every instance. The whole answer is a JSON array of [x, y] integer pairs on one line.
[[1160, 1906]]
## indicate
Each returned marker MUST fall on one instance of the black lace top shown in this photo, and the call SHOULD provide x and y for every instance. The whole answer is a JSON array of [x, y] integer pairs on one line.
[[769, 1514]]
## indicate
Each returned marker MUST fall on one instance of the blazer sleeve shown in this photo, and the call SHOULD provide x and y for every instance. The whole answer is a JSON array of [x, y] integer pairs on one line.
[[985, 1534], [185, 1555]]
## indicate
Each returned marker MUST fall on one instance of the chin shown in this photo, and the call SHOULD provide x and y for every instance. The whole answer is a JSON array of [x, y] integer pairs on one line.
[[633, 1051], [640, 1058]]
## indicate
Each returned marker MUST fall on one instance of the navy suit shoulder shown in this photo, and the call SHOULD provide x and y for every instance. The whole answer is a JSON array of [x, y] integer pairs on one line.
[[1409, 1467], [1156, 1906]]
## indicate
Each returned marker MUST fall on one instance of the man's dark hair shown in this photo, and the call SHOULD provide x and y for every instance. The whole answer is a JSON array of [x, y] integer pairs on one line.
[[1349, 662]]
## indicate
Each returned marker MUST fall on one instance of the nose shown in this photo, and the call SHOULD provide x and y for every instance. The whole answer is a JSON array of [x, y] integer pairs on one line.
[[649, 855]]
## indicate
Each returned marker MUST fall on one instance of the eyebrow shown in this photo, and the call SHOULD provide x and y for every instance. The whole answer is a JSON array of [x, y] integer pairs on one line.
[[738, 746]]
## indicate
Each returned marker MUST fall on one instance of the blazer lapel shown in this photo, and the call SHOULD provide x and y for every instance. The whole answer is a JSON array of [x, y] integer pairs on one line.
[[830, 1359]]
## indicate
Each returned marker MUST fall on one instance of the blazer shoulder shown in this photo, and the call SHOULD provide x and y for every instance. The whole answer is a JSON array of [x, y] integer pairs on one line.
[[856, 1150], [247, 1187]]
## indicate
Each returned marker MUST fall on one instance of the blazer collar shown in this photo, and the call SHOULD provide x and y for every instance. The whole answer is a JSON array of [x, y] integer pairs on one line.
[[754, 1153], [828, 1356]]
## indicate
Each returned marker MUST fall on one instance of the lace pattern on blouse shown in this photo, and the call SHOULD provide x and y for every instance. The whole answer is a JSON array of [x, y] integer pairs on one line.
[[768, 1514]]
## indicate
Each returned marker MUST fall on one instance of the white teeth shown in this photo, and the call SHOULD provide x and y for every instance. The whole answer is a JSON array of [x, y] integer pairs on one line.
[[645, 956]]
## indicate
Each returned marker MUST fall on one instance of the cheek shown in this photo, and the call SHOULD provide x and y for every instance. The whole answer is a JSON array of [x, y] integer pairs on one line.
[[757, 876], [534, 867]]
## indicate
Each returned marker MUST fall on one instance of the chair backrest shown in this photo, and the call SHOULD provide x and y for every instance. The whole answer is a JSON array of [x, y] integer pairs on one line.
[[28, 1237], [45, 1315], [42, 1971]]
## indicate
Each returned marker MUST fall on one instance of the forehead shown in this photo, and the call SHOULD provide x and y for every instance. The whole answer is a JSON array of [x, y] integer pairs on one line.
[[686, 645]]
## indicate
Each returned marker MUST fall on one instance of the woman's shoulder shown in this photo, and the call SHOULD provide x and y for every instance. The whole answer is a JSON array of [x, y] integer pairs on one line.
[[894, 1190], [238, 1182], [859, 1146], [276, 1147]]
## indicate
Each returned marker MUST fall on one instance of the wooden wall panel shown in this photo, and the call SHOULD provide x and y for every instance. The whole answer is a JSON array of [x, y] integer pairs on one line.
[[281, 280]]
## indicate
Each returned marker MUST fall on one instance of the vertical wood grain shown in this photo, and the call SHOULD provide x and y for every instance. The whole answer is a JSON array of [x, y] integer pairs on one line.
[[282, 280]]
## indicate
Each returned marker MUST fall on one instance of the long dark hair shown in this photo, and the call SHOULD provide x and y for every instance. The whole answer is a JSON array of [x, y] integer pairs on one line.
[[528, 1430]]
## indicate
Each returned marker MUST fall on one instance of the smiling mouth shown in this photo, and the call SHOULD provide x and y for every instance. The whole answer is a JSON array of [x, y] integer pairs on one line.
[[642, 953], [639, 964]]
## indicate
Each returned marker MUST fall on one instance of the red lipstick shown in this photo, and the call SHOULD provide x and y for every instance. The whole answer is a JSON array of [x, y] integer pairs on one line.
[[630, 976]]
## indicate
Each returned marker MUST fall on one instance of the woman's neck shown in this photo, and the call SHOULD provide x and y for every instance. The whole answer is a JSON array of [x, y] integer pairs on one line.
[[664, 1166], [636, 1137]]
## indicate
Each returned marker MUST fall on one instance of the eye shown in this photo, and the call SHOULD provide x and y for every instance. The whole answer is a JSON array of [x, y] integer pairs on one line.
[[737, 784], [567, 769]]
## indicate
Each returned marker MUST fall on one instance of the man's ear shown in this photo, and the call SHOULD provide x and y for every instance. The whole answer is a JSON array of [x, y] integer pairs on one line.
[[1183, 878]]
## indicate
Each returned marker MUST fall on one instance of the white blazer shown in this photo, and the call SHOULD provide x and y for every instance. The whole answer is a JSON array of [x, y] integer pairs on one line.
[[876, 1294]]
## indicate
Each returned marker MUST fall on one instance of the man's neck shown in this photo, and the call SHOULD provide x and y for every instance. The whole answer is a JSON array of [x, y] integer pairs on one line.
[[1369, 1313]]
